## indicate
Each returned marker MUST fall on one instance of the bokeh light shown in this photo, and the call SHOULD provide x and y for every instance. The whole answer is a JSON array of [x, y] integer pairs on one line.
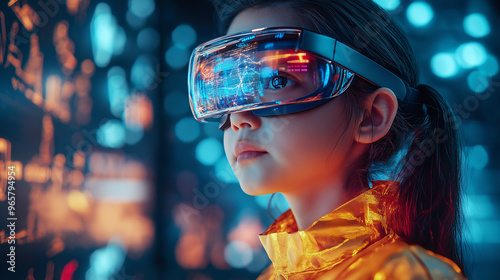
[[389, 5], [478, 81], [490, 66], [177, 57], [187, 129], [419, 13], [107, 37], [443, 65], [111, 134], [476, 25], [143, 72], [224, 172], [133, 135], [478, 157], [184, 36], [118, 91], [141, 8], [148, 39], [105, 262], [471, 54], [238, 254], [208, 151]]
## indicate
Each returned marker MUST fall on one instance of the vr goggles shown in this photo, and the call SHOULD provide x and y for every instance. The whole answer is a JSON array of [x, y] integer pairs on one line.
[[276, 71]]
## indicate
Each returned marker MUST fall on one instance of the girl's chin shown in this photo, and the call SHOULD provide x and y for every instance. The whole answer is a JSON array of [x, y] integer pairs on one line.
[[255, 190]]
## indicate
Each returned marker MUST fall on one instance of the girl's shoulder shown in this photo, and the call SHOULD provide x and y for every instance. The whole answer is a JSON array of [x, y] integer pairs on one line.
[[393, 258], [389, 258]]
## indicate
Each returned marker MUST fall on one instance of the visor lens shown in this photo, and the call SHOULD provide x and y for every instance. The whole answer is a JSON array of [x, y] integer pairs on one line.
[[257, 71]]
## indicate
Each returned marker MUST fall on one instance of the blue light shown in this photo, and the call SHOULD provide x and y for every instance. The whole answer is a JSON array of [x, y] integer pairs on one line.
[[389, 5], [102, 33], [184, 36], [490, 66], [224, 172], [263, 200], [111, 134], [208, 151], [133, 20], [177, 57], [141, 8], [476, 25], [143, 72], [120, 40], [419, 13], [187, 129], [478, 157], [238, 254], [105, 262], [443, 65], [478, 81], [148, 39], [117, 90], [278, 202], [471, 54], [134, 135]]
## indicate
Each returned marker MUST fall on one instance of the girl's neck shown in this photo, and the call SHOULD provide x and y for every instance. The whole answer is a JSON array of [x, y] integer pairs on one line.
[[310, 205]]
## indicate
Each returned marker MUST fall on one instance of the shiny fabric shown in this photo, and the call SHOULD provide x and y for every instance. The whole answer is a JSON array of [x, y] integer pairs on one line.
[[351, 242]]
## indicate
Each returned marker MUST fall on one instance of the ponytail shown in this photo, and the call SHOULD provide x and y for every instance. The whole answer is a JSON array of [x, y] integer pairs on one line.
[[430, 182]]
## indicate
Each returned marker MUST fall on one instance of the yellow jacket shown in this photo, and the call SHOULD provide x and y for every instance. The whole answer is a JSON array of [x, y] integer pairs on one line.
[[351, 242]]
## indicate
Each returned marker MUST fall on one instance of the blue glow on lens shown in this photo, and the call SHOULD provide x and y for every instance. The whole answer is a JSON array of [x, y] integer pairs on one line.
[[143, 72], [118, 91], [478, 81], [224, 172], [184, 36], [389, 5], [111, 134], [471, 54], [443, 65], [490, 66], [148, 39], [476, 25], [187, 129], [208, 151], [141, 8], [419, 13], [478, 157], [177, 57]]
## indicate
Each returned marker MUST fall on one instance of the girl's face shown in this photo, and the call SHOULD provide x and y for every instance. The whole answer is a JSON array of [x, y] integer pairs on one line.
[[288, 153]]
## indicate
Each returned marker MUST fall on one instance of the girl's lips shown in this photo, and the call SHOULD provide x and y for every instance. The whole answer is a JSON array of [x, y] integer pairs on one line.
[[246, 150], [249, 155]]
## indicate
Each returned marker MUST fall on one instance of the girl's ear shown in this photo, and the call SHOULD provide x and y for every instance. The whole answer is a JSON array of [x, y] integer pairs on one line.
[[381, 107]]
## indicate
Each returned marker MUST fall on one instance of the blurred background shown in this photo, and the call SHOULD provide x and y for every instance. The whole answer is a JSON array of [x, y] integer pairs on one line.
[[114, 179]]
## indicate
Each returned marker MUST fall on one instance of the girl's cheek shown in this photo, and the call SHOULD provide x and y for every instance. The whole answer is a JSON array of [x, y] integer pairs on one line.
[[227, 144]]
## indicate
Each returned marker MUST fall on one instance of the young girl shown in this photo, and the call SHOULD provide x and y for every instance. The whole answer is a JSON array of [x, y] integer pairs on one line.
[[315, 98]]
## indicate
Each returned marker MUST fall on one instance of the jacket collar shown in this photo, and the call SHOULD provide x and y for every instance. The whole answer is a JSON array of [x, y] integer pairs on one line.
[[333, 238]]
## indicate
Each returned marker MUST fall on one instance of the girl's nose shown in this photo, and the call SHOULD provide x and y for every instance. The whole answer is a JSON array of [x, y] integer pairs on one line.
[[242, 119]]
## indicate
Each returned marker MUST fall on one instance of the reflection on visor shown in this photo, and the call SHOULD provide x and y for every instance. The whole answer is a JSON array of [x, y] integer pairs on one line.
[[259, 72]]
